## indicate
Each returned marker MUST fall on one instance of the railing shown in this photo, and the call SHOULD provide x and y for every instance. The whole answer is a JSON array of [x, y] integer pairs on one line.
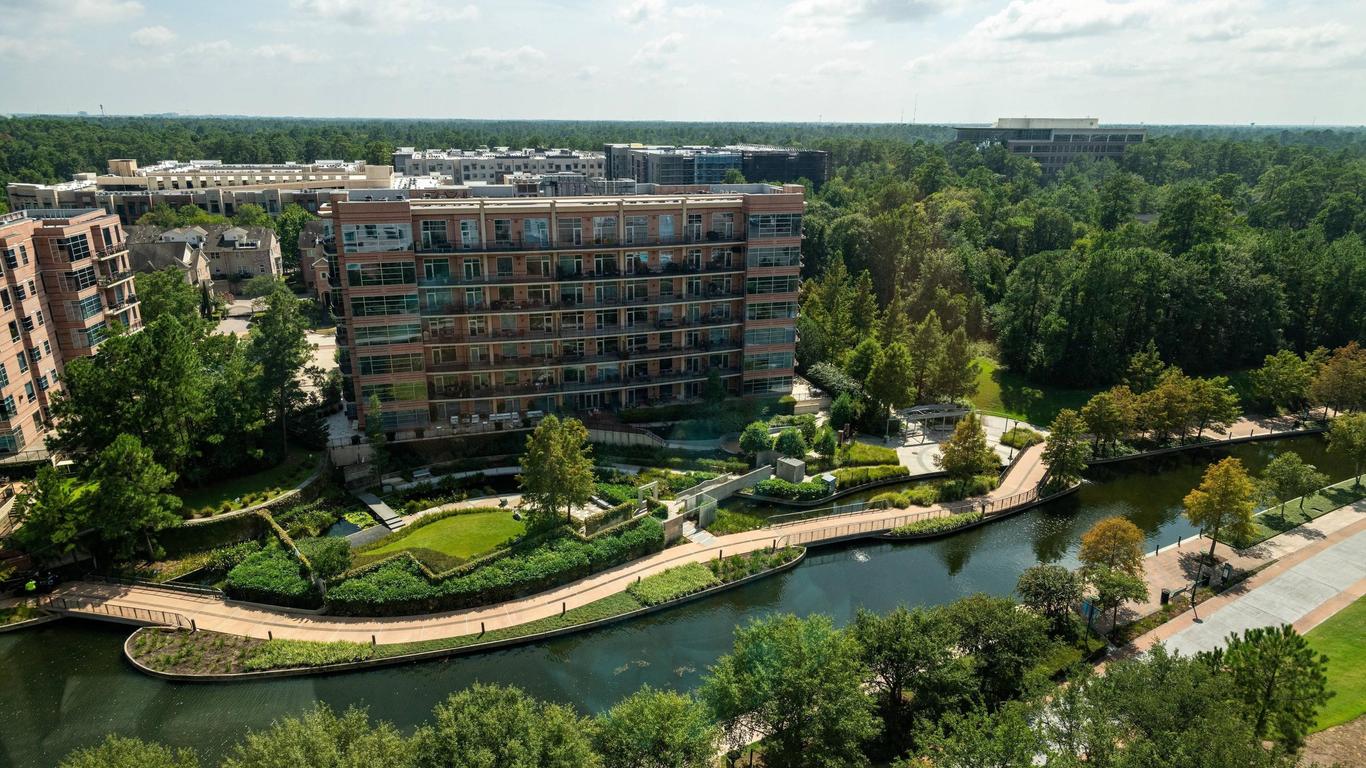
[[571, 305], [457, 392], [116, 277], [124, 613], [985, 508], [570, 359], [111, 251], [566, 332], [584, 242], [193, 589], [564, 275]]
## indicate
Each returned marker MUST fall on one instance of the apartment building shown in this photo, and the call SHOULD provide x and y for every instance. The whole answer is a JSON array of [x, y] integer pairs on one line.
[[664, 164], [491, 165], [458, 314], [66, 281], [1055, 142], [130, 191]]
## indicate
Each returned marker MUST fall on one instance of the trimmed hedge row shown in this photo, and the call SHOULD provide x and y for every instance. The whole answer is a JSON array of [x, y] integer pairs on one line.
[[673, 583], [855, 476], [936, 525], [274, 576], [400, 587], [862, 455], [921, 496], [778, 488]]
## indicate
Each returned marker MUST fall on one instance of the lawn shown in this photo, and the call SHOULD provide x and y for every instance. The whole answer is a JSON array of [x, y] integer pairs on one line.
[[1281, 518], [1340, 639], [239, 492], [1006, 393], [450, 541]]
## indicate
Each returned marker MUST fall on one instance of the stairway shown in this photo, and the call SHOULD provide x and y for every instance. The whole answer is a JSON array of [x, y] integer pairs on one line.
[[696, 535]]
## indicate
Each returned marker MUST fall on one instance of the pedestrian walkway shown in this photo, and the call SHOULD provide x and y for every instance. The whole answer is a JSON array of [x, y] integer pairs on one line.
[[382, 511], [1285, 599], [696, 535]]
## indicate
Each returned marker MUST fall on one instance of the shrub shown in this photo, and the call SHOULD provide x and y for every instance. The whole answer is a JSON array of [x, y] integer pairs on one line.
[[856, 476], [742, 566], [615, 493], [282, 654], [846, 409], [1020, 438], [755, 438], [781, 489], [862, 454], [835, 382], [224, 559], [790, 443], [400, 586], [328, 555], [826, 443], [936, 524], [273, 576], [977, 485], [919, 496], [672, 584]]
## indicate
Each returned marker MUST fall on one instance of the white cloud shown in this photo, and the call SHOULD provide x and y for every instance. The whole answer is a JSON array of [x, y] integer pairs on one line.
[[387, 15], [98, 10], [23, 50], [291, 54], [640, 12], [1296, 38], [152, 37], [838, 68], [587, 73], [657, 53], [1037, 20], [502, 60]]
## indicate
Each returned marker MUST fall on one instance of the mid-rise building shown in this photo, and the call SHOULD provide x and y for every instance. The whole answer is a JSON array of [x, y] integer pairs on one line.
[[227, 252], [1055, 142], [459, 314], [216, 187], [491, 165], [66, 282], [660, 164]]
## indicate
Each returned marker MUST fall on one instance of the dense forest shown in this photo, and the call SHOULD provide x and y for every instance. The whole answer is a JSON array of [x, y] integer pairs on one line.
[[1219, 244]]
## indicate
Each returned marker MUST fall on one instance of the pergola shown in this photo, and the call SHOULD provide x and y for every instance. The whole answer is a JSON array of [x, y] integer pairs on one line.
[[934, 416]]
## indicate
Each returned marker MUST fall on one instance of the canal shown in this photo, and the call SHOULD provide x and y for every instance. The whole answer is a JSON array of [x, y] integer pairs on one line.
[[66, 685]]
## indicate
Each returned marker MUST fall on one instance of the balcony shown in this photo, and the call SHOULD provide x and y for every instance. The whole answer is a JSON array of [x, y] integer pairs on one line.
[[504, 245], [675, 269], [111, 251], [119, 305], [571, 305], [574, 332], [113, 278], [571, 359], [465, 391]]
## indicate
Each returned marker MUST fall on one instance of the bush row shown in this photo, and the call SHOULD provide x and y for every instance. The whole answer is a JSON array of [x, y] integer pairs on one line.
[[936, 524], [861, 454], [855, 476], [920, 496], [977, 485], [399, 586], [272, 575], [664, 457], [738, 567], [1020, 438], [676, 582], [781, 489]]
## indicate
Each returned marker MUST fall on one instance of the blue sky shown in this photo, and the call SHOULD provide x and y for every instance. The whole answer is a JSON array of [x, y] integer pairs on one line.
[[1155, 61]]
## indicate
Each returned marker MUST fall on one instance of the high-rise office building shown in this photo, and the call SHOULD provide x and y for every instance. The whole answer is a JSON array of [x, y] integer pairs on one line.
[[460, 314], [659, 164], [1055, 142]]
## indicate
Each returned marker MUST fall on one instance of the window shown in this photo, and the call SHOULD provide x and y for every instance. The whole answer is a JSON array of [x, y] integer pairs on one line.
[[390, 392], [42, 384], [536, 231], [774, 284], [764, 386], [764, 361], [693, 230], [771, 310], [4, 375], [434, 234], [5, 302], [86, 308], [637, 229], [80, 279], [502, 231], [666, 228], [723, 224], [377, 238], [569, 231], [775, 225], [29, 392], [13, 330], [469, 233], [366, 306], [774, 256], [12, 442], [381, 273], [75, 248], [382, 364], [93, 335], [401, 333], [604, 230], [19, 294], [7, 407]]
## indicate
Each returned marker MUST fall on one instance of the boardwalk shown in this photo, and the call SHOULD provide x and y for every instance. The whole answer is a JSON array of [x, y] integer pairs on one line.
[[261, 621]]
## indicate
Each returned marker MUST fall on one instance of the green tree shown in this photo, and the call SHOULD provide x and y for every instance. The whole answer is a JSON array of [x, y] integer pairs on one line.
[[557, 470], [1192, 215], [982, 739], [129, 496], [1145, 368], [926, 350], [375, 435], [122, 752], [1278, 678], [166, 292], [1113, 543], [1288, 477], [733, 176], [956, 377], [1110, 416], [1050, 591], [656, 729], [1002, 643], [890, 383], [1341, 380], [799, 684], [863, 358], [1114, 588], [1214, 405], [966, 453], [258, 286], [492, 726], [790, 443], [288, 225], [915, 671], [1066, 451], [279, 344], [1283, 380], [1347, 436], [252, 215], [1223, 503], [755, 438], [52, 513], [321, 739], [826, 443], [846, 409], [714, 389]]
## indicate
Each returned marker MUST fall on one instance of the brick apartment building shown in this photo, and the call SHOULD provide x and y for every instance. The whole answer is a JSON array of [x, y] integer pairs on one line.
[[459, 314], [66, 281]]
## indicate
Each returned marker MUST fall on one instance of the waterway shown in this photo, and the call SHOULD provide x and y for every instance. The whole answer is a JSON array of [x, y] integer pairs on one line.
[[66, 685]]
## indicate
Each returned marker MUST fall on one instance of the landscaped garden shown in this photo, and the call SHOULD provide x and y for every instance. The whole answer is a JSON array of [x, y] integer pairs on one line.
[[442, 541], [1291, 514], [1342, 638], [239, 492], [1003, 392]]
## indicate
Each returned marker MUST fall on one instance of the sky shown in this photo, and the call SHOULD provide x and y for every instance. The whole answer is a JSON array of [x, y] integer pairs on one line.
[[927, 61]]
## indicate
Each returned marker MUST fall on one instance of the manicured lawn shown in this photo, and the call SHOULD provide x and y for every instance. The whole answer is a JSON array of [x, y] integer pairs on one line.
[[451, 540], [1342, 639], [1003, 392], [1283, 517], [244, 491]]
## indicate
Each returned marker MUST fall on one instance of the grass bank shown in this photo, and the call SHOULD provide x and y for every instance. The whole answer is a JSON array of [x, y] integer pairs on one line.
[[1342, 638], [1282, 517], [445, 543], [1002, 391], [244, 491]]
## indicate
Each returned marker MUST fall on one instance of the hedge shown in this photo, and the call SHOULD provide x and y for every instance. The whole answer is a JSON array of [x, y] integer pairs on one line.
[[215, 532], [671, 584], [1020, 438], [936, 524], [778, 488], [920, 496], [738, 567], [399, 586], [862, 454], [856, 476], [329, 555], [273, 576]]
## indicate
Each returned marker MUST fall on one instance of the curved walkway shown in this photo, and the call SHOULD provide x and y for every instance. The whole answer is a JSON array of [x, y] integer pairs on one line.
[[262, 621]]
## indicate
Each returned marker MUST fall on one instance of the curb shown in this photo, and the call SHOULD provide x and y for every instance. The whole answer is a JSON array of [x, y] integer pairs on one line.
[[464, 650], [887, 536], [1208, 444], [27, 623]]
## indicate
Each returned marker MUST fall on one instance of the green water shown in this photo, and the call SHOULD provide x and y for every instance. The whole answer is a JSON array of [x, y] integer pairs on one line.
[[66, 685]]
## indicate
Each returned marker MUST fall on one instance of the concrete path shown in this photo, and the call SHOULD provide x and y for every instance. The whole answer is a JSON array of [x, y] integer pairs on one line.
[[261, 621], [383, 512]]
